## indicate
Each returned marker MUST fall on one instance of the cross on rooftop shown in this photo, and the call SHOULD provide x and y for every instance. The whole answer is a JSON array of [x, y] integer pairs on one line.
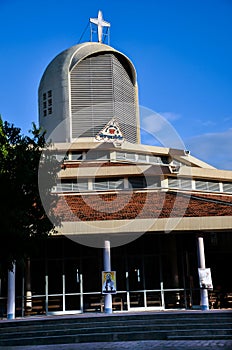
[[99, 21]]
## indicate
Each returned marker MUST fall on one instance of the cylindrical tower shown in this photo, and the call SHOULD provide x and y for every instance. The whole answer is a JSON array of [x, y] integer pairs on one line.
[[86, 86]]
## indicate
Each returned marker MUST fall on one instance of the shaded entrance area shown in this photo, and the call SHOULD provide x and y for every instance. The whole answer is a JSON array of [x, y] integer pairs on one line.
[[155, 272]]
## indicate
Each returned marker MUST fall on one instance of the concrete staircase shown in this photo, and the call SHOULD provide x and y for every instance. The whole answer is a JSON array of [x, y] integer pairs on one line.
[[182, 325]]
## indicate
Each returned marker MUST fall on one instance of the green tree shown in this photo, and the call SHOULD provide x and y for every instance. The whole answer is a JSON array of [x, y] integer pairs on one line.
[[23, 217]]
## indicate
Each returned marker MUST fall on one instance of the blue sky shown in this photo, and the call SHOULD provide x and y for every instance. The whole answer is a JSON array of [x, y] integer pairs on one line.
[[181, 49]]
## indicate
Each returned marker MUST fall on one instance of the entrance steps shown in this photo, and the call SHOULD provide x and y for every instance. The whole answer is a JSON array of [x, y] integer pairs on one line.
[[81, 328]]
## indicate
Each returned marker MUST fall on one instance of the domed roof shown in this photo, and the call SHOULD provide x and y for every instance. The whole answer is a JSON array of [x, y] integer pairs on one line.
[[67, 59], [65, 93]]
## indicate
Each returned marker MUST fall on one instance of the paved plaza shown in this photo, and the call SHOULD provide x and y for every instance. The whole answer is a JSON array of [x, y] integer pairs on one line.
[[135, 345]]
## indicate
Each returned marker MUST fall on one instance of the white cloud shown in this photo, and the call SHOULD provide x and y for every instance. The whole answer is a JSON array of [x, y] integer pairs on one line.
[[156, 126], [170, 116], [213, 148]]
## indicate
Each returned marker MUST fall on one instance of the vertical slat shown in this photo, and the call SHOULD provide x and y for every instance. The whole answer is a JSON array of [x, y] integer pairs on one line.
[[101, 89]]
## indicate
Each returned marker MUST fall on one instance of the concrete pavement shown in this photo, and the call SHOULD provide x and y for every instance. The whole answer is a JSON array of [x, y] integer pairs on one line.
[[135, 345]]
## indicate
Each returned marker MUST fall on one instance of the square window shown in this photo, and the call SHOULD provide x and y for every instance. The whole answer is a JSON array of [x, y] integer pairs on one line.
[[44, 96], [50, 102], [45, 112], [50, 93], [45, 104], [50, 110]]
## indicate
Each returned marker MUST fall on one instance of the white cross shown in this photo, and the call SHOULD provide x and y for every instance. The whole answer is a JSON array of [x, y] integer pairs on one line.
[[99, 21]]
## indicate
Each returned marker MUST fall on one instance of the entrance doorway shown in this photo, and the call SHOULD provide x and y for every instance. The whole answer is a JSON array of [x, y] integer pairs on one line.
[[144, 286]]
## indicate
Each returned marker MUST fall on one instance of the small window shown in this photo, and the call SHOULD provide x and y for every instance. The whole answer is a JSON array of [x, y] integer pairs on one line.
[[142, 158], [137, 182], [131, 157], [185, 184], [153, 182], [227, 187], [201, 185], [120, 156], [213, 186], [100, 184], [47, 103], [72, 186], [76, 156], [164, 160], [108, 184], [116, 184], [207, 186], [97, 155], [82, 185], [173, 182], [155, 159]]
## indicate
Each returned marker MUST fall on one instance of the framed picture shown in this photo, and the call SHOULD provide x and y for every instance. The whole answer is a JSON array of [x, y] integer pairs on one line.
[[205, 278], [109, 282]]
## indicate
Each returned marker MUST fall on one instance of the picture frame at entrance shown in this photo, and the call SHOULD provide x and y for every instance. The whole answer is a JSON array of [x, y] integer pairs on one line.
[[205, 279], [109, 282]]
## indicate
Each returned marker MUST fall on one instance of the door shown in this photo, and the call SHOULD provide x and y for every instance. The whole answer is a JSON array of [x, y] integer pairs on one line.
[[143, 286], [135, 284]]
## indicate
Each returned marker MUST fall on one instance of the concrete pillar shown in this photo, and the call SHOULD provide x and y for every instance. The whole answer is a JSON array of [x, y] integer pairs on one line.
[[201, 264], [11, 293], [107, 267], [28, 285]]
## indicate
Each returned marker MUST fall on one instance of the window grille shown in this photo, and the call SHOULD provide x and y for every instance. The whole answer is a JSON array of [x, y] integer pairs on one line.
[[72, 186], [76, 156], [173, 182], [185, 184], [97, 155], [207, 186], [142, 158], [155, 159], [108, 184], [227, 187]]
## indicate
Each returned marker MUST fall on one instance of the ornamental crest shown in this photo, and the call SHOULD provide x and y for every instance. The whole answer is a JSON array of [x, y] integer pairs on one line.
[[110, 133]]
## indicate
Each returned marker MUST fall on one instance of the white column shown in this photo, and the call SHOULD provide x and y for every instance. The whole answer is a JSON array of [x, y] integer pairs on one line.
[[63, 292], [11, 293], [81, 294], [46, 294], [107, 267], [201, 263], [28, 285]]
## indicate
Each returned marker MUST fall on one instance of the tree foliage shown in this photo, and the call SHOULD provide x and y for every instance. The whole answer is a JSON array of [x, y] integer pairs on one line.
[[23, 217]]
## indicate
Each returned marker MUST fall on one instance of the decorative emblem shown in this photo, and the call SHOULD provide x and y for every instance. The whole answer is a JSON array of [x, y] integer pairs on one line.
[[110, 133]]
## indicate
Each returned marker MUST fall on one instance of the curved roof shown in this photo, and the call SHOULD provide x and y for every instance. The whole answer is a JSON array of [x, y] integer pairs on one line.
[[67, 59]]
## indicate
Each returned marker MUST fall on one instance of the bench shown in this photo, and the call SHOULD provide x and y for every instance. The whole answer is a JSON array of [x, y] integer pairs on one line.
[[153, 301], [228, 300], [97, 304], [38, 305], [213, 300], [117, 301]]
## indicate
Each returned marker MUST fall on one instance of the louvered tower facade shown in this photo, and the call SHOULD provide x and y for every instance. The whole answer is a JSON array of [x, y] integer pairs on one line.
[[83, 88]]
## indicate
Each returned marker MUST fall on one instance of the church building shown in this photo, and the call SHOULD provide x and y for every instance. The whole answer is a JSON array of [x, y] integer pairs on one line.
[[154, 219]]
